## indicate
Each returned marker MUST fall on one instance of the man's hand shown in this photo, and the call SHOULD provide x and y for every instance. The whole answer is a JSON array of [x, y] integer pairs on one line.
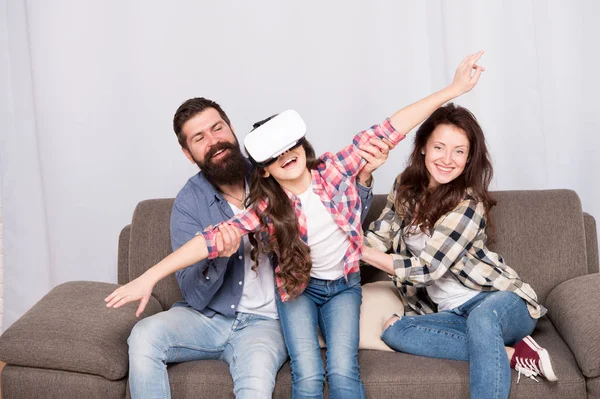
[[375, 153], [228, 240]]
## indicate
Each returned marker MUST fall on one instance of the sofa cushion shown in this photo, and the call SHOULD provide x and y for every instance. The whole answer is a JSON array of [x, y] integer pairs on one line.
[[380, 301], [33, 383], [72, 329]]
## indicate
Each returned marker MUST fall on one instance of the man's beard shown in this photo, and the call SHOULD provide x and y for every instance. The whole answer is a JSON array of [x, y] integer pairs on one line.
[[230, 169]]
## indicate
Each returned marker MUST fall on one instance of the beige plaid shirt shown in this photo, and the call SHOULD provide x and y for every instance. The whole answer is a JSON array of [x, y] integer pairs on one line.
[[457, 244]]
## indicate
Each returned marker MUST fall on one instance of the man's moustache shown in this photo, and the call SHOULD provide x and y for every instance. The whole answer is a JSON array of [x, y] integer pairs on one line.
[[218, 147]]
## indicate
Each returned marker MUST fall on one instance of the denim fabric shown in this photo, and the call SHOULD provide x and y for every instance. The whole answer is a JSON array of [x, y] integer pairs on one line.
[[334, 306], [252, 345], [476, 331]]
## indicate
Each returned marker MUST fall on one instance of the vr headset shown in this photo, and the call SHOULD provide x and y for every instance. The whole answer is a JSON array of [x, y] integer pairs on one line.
[[274, 136]]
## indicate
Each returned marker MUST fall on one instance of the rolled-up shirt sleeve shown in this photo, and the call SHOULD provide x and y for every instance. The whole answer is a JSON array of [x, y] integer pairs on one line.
[[247, 222]]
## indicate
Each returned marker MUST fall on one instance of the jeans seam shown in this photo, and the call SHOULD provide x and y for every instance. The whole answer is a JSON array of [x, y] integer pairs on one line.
[[324, 329], [498, 370], [439, 332], [195, 348]]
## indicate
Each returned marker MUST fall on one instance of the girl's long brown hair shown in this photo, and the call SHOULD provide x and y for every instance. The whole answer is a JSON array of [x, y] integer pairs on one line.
[[293, 254], [417, 205]]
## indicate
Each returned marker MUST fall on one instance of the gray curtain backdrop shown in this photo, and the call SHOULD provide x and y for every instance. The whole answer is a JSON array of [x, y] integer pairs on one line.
[[88, 90]]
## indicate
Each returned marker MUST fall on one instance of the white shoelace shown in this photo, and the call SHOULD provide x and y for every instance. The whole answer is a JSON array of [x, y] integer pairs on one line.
[[528, 368]]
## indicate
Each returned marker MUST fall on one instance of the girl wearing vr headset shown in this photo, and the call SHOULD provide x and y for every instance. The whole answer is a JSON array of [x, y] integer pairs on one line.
[[305, 212]]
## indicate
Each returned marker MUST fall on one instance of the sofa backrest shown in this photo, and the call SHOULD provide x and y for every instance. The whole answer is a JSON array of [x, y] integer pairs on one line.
[[541, 234], [149, 242]]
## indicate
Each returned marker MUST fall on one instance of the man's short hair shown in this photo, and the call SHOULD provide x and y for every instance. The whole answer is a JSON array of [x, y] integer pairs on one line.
[[191, 108]]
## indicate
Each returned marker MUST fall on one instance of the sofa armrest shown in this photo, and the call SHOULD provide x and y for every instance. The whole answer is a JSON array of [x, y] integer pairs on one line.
[[71, 329], [573, 309]]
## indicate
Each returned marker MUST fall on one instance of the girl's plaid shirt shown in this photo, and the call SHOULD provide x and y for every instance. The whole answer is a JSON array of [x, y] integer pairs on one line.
[[456, 244], [334, 181]]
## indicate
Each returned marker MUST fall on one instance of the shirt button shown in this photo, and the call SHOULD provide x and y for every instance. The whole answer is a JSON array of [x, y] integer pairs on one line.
[[208, 278], [240, 283], [240, 257], [232, 306]]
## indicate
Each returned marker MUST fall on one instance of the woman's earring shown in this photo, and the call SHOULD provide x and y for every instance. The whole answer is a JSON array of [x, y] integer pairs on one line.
[[422, 152]]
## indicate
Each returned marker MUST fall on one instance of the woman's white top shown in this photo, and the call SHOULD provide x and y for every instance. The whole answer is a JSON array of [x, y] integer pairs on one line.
[[447, 292]]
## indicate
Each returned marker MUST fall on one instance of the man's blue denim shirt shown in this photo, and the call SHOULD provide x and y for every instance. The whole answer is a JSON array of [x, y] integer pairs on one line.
[[213, 286]]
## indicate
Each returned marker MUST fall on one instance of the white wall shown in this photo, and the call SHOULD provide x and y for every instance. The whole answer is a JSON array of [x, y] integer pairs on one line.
[[90, 88], [1, 272]]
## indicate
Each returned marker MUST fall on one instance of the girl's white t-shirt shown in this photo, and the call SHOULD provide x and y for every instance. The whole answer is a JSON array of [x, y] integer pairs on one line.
[[327, 241], [447, 292]]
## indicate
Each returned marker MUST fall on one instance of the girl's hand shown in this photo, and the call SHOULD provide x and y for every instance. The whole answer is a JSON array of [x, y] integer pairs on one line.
[[138, 289], [464, 78]]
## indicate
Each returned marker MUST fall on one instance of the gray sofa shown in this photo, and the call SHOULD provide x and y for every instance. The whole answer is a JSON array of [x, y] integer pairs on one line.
[[70, 346]]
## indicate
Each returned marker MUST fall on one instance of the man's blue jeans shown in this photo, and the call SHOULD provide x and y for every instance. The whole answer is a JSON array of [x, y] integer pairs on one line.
[[252, 345], [476, 331], [334, 306]]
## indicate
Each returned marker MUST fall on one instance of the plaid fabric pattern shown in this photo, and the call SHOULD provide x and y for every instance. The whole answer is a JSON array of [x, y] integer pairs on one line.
[[334, 181], [456, 244]]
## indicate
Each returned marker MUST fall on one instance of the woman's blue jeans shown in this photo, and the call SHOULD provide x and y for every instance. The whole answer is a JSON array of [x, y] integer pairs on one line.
[[334, 306], [476, 331]]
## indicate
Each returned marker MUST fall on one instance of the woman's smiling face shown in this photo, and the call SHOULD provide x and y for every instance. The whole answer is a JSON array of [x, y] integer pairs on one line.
[[446, 154]]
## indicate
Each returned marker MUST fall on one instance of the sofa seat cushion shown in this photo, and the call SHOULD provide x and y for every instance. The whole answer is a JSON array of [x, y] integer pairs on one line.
[[33, 383], [399, 375], [71, 329]]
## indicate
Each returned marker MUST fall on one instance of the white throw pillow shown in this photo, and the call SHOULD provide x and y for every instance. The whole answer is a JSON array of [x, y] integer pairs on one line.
[[380, 301]]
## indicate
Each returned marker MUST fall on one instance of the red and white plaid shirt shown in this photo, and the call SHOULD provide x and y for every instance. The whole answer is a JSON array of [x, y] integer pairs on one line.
[[334, 181]]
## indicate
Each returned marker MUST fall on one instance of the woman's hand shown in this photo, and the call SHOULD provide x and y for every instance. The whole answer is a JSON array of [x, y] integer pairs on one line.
[[464, 78], [138, 289], [378, 259]]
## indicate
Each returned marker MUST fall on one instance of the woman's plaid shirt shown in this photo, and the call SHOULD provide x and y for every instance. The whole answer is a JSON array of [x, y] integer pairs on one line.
[[457, 244], [334, 181]]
